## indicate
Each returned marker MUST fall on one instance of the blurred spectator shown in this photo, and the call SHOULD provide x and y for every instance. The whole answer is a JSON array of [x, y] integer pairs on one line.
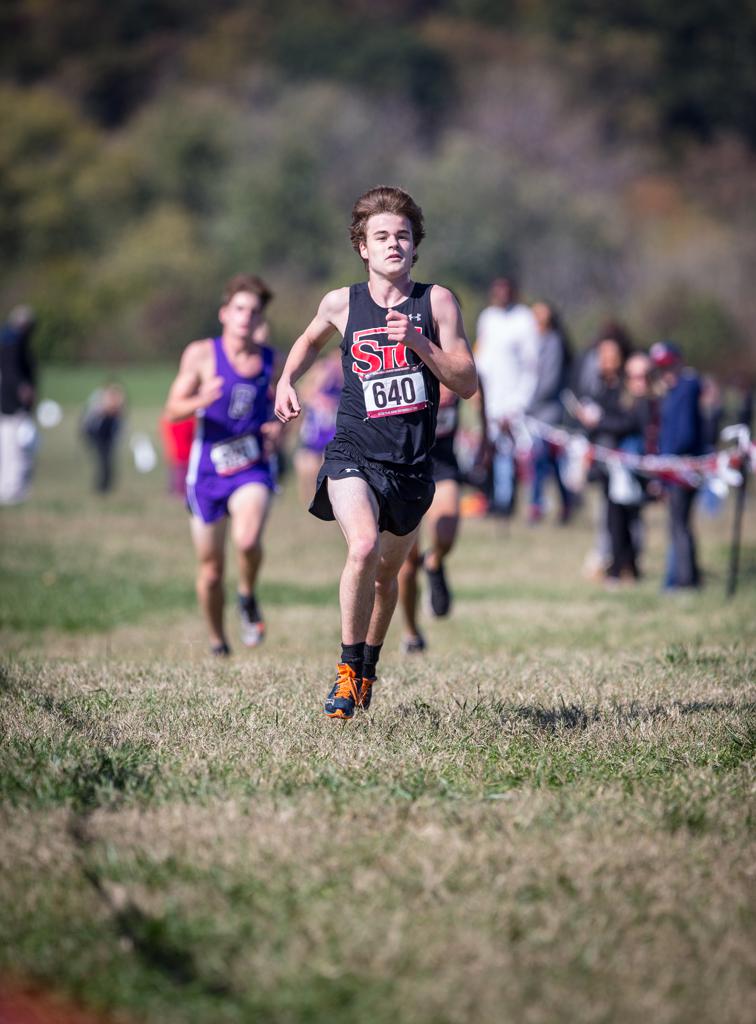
[[320, 402], [591, 412], [712, 412], [545, 406], [629, 425], [18, 382], [680, 433], [586, 377], [177, 446], [641, 391], [506, 355], [599, 368], [100, 426]]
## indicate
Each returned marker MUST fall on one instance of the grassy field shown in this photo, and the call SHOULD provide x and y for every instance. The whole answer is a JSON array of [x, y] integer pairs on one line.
[[549, 817]]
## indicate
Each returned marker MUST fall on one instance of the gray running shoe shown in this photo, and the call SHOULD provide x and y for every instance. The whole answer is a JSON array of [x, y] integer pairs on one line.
[[252, 626], [413, 644]]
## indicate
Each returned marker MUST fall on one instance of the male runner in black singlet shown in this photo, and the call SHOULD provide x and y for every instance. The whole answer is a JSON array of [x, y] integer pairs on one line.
[[400, 338]]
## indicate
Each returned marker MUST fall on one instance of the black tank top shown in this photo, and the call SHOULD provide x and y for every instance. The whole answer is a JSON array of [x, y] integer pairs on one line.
[[447, 424], [389, 403]]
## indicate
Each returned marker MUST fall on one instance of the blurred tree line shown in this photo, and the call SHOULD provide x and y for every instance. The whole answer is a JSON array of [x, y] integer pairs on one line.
[[151, 148]]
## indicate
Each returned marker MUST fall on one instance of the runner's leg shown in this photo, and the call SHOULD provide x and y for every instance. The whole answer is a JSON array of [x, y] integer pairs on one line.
[[408, 591], [209, 543], [393, 552], [356, 510], [442, 520], [249, 509]]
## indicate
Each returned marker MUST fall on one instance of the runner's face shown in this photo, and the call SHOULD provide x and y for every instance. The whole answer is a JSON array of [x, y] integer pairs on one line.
[[241, 315], [388, 245]]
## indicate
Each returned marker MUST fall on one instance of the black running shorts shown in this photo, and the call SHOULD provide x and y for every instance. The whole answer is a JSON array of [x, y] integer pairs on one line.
[[404, 495]]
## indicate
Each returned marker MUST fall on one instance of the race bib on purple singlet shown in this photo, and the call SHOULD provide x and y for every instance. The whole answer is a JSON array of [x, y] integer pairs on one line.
[[233, 456], [394, 392]]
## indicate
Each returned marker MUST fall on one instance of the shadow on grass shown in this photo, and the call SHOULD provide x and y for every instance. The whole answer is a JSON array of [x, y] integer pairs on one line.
[[170, 949], [148, 935], [574, 715]]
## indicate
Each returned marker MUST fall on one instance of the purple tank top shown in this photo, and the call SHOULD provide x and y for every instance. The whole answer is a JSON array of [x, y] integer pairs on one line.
[[227, 437]]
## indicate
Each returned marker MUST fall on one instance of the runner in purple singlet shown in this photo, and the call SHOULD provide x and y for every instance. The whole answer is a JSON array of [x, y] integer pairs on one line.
[[400, 340], [227, 384]]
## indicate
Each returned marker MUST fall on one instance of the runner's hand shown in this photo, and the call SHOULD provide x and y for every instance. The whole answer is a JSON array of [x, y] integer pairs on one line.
[[287, 405], [209, 392], [400, 330]]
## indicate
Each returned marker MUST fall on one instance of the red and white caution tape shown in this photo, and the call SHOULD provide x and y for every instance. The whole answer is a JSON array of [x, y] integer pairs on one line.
[[725, 465]]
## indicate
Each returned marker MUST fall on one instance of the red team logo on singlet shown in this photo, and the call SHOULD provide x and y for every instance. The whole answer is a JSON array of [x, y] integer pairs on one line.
[[370, 356]]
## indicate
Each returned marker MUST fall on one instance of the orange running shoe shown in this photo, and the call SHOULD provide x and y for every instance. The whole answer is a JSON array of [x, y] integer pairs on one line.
[[341, 701], [366, 693]]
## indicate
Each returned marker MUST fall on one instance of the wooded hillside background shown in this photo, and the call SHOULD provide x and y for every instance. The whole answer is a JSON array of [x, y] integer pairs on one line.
[[605, 151]]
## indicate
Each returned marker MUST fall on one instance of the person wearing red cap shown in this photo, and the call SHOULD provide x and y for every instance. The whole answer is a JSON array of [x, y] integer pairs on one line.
[[680, 433]]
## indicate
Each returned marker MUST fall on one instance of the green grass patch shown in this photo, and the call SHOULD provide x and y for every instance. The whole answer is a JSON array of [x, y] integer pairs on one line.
[[145, 386], [73, 773], [84, 591]]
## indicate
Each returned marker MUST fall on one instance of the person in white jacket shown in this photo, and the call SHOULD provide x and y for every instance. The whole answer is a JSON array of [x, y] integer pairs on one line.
[[506, 357]]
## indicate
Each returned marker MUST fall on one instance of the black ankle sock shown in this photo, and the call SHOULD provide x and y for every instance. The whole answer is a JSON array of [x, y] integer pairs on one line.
[[372, 654], [248, 604], [353, 655]]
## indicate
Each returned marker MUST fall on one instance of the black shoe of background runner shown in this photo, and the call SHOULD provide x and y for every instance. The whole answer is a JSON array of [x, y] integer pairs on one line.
[[221, 650], [440, 597]]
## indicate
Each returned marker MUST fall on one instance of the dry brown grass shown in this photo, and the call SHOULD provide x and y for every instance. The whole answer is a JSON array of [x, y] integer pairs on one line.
[[549, 817]]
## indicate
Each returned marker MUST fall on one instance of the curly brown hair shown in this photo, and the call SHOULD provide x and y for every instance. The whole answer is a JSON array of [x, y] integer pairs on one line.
[[247, 283], [386, 199]]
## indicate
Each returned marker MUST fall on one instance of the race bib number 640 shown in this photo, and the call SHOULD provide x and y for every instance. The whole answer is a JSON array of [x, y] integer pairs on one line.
[[394, 392]]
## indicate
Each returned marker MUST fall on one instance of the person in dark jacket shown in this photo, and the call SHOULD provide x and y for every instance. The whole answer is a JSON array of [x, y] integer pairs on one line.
[[632, 425], [101, 425], [619, 420], [596, 371], [18, 381], [680, 433]]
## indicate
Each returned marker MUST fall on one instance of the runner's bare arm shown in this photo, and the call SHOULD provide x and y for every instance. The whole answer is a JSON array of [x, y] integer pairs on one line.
[[193, 387], [331, 316], [272, 430], [451, 360]]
